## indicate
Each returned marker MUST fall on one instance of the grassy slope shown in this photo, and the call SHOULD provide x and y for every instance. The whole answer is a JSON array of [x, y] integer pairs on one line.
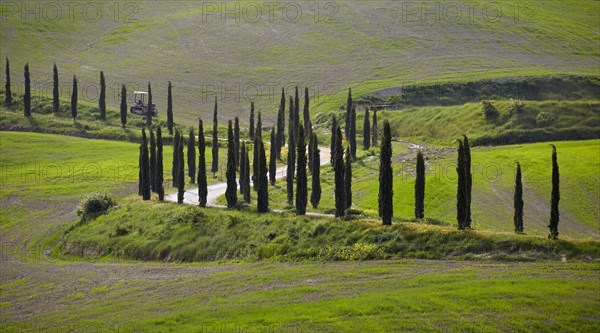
[[368, 43]]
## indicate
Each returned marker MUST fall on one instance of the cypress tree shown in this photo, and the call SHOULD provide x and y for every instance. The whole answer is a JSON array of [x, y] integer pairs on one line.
[[152, 162], [150, 107], [180, 171], [215, 143], [348, 179], [123, 106], [202, 186], [291, 143], [102, 98], [251, 132], [281, 124], [159, 166], [27, 95], [301, 186], [231, 191], [145, 170], [8, 93], [74, 99], [386, 191], [306, 114], [236, 142], [352, 131], [175, 157], [263, 192], [461, 188], [296, 116], [420, 187], [191, 155], [366, 131], [348, 112], [242, 166], [255, 165], [170, 109], [468, 181], [55, 92], [315, 195], [273, 158], [245, 178], [518, 201], [338, 167], [334, 127], [310, 153], [554, 212], [375, 130]]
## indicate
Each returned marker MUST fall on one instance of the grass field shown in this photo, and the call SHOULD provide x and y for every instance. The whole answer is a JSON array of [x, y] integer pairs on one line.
[[385, 44]]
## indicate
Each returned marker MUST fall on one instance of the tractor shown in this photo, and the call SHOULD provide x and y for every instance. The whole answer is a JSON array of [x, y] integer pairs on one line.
[[140, 105]]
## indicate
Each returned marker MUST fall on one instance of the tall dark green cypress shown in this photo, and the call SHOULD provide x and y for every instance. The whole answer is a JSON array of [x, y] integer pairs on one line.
[[310, 153], [338, 168], [554, 212], [27, 95], [306, 114], [251, 120], [215, 142], [273, 158], [202, 186], [348, 112], [375, 130], [348, 179], [145, 164], [74, 99], [263, 191], [518, 200], [281, 124], [334, 127], [256, 157], [468, 181], [242, 166], [231, 191], [170, 109], [152, 161], [191, 156], [236, 141], [352, 130], [55, 92], [420, 187], [102, 97], [461, 198], [7, 91], [315, 195], [386, 191], [175, 157], [123, 106], [296, 116], [367, 131], [301, 178], [150, 107], [159, 166], [180, 171], [245, 178], [291, 144]]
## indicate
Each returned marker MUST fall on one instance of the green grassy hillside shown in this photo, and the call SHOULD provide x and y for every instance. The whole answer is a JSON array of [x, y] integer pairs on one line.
[[367, 45]]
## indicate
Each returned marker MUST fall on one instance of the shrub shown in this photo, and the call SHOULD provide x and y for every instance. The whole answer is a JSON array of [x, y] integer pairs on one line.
[[544, 119], [94, 205], [516, 106], [489, 110]]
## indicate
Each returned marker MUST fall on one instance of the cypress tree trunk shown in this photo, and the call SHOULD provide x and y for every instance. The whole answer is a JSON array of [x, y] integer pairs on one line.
[[315, 196], [236, 142], [468, 181], [352, 138], [55, 92], [386, 192], [145, 171], [202, 186], [170, 109], [348, 179], [27, 95], [191, 155], [518, 201], [150, 107], [123, 106], [348, 111], [375, 129], [245, 178], [554, 212], [263, 192], [152, 162], [338, 167], [366, 131], [175, 157], [159, 166], [180, 171], [460, 191], [102, 98], [73, 99], [251, 132], [8, 93], [301, 186], [273, 158], [420, 187], [231, 191], [332, 146], [215, 143]]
